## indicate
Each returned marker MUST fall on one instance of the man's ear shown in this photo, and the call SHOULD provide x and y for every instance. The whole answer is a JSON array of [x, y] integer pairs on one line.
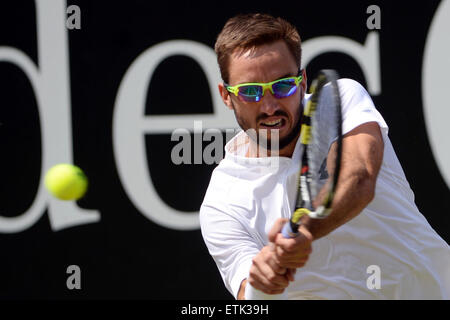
[[303, 84], [226, 96]]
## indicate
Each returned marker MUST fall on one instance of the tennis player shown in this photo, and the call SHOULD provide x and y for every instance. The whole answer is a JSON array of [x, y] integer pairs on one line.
[[375, 244]]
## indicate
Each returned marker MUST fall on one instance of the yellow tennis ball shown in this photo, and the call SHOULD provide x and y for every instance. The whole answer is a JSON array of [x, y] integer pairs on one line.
[[66, 181]]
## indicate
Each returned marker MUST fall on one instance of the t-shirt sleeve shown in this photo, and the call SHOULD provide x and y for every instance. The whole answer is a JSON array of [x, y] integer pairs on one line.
[[228, 242], [357, 107]]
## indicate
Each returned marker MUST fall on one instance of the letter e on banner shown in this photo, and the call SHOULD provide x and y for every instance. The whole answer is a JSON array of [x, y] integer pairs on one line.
[[435, 75]]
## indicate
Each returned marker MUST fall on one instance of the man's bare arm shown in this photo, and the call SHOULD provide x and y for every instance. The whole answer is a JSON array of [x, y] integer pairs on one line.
[[241, 294], [362, 156]]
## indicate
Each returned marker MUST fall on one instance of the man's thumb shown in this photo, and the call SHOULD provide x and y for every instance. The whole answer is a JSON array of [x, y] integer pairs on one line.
[[276, 228]]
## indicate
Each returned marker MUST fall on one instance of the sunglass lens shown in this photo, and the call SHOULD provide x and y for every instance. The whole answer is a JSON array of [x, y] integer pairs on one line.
[[284, 88], [250, 93]]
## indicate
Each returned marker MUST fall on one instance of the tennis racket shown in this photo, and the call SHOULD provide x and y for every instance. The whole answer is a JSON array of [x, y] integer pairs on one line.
[[321, 140]]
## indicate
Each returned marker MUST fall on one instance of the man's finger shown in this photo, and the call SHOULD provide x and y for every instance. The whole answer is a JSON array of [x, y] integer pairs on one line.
[[276, 267], [276, 228], [260, 287], [283, 255], [264, 273], [261, 282], [291, 274], [271, 278], [303, 240]]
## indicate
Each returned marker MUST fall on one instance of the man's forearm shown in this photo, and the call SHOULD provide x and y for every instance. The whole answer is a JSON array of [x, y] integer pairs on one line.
[[353, 195], [361, 160]]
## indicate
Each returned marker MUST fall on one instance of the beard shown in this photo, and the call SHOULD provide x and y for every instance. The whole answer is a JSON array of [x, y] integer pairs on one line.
[[267, 143]]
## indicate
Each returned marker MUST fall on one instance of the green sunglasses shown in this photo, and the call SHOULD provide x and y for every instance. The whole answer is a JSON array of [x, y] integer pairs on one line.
[[254, 91]]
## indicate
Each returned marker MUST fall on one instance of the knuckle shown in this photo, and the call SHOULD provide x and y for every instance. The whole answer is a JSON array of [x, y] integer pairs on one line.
[[279, 252], [253, 271], [291, 246], [281, 270], [271, 277], [267, 284], [277, 262], [256, 261]]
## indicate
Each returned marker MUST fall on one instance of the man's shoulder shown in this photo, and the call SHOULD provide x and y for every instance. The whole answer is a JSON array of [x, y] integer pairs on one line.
[[222, 195], [351, 89], [233, 184], [221, 181], [225, 180], [350, 84]]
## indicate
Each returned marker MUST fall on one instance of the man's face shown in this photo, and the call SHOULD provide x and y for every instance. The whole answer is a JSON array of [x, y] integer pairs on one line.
[[266, 63]]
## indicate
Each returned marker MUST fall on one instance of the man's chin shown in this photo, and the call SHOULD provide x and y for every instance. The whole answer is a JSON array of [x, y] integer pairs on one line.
[[271, 139]]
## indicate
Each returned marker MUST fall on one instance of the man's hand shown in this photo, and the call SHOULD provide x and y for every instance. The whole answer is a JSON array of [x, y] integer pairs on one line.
[[291, 253], [266, 274], [274, 266]]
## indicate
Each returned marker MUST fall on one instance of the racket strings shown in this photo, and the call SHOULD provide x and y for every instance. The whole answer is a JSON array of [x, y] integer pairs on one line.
[[321, 128]]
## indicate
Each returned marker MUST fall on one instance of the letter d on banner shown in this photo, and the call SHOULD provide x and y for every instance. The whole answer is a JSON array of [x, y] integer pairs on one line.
[[50, 82]]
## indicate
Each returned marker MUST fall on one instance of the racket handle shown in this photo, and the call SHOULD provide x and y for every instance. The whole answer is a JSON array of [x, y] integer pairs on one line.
[[253, 294], [288, 232]]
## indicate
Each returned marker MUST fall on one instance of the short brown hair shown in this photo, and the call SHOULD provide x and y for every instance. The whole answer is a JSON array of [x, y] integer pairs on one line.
[[247, 31]]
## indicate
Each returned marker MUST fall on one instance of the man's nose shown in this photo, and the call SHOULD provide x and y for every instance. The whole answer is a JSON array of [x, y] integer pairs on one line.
[[269, 104]]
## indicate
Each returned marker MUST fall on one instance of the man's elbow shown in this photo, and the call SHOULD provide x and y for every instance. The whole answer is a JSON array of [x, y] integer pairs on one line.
[[370, 193], [366, 184]]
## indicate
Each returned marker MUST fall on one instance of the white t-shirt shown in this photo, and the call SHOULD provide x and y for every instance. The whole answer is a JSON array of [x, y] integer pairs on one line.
[[246, 195]]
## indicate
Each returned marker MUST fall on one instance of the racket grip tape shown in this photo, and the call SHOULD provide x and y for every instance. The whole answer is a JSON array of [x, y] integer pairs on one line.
[[288, 232]]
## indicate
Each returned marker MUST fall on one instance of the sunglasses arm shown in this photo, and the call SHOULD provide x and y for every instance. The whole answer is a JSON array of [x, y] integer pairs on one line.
[[233, 90]]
